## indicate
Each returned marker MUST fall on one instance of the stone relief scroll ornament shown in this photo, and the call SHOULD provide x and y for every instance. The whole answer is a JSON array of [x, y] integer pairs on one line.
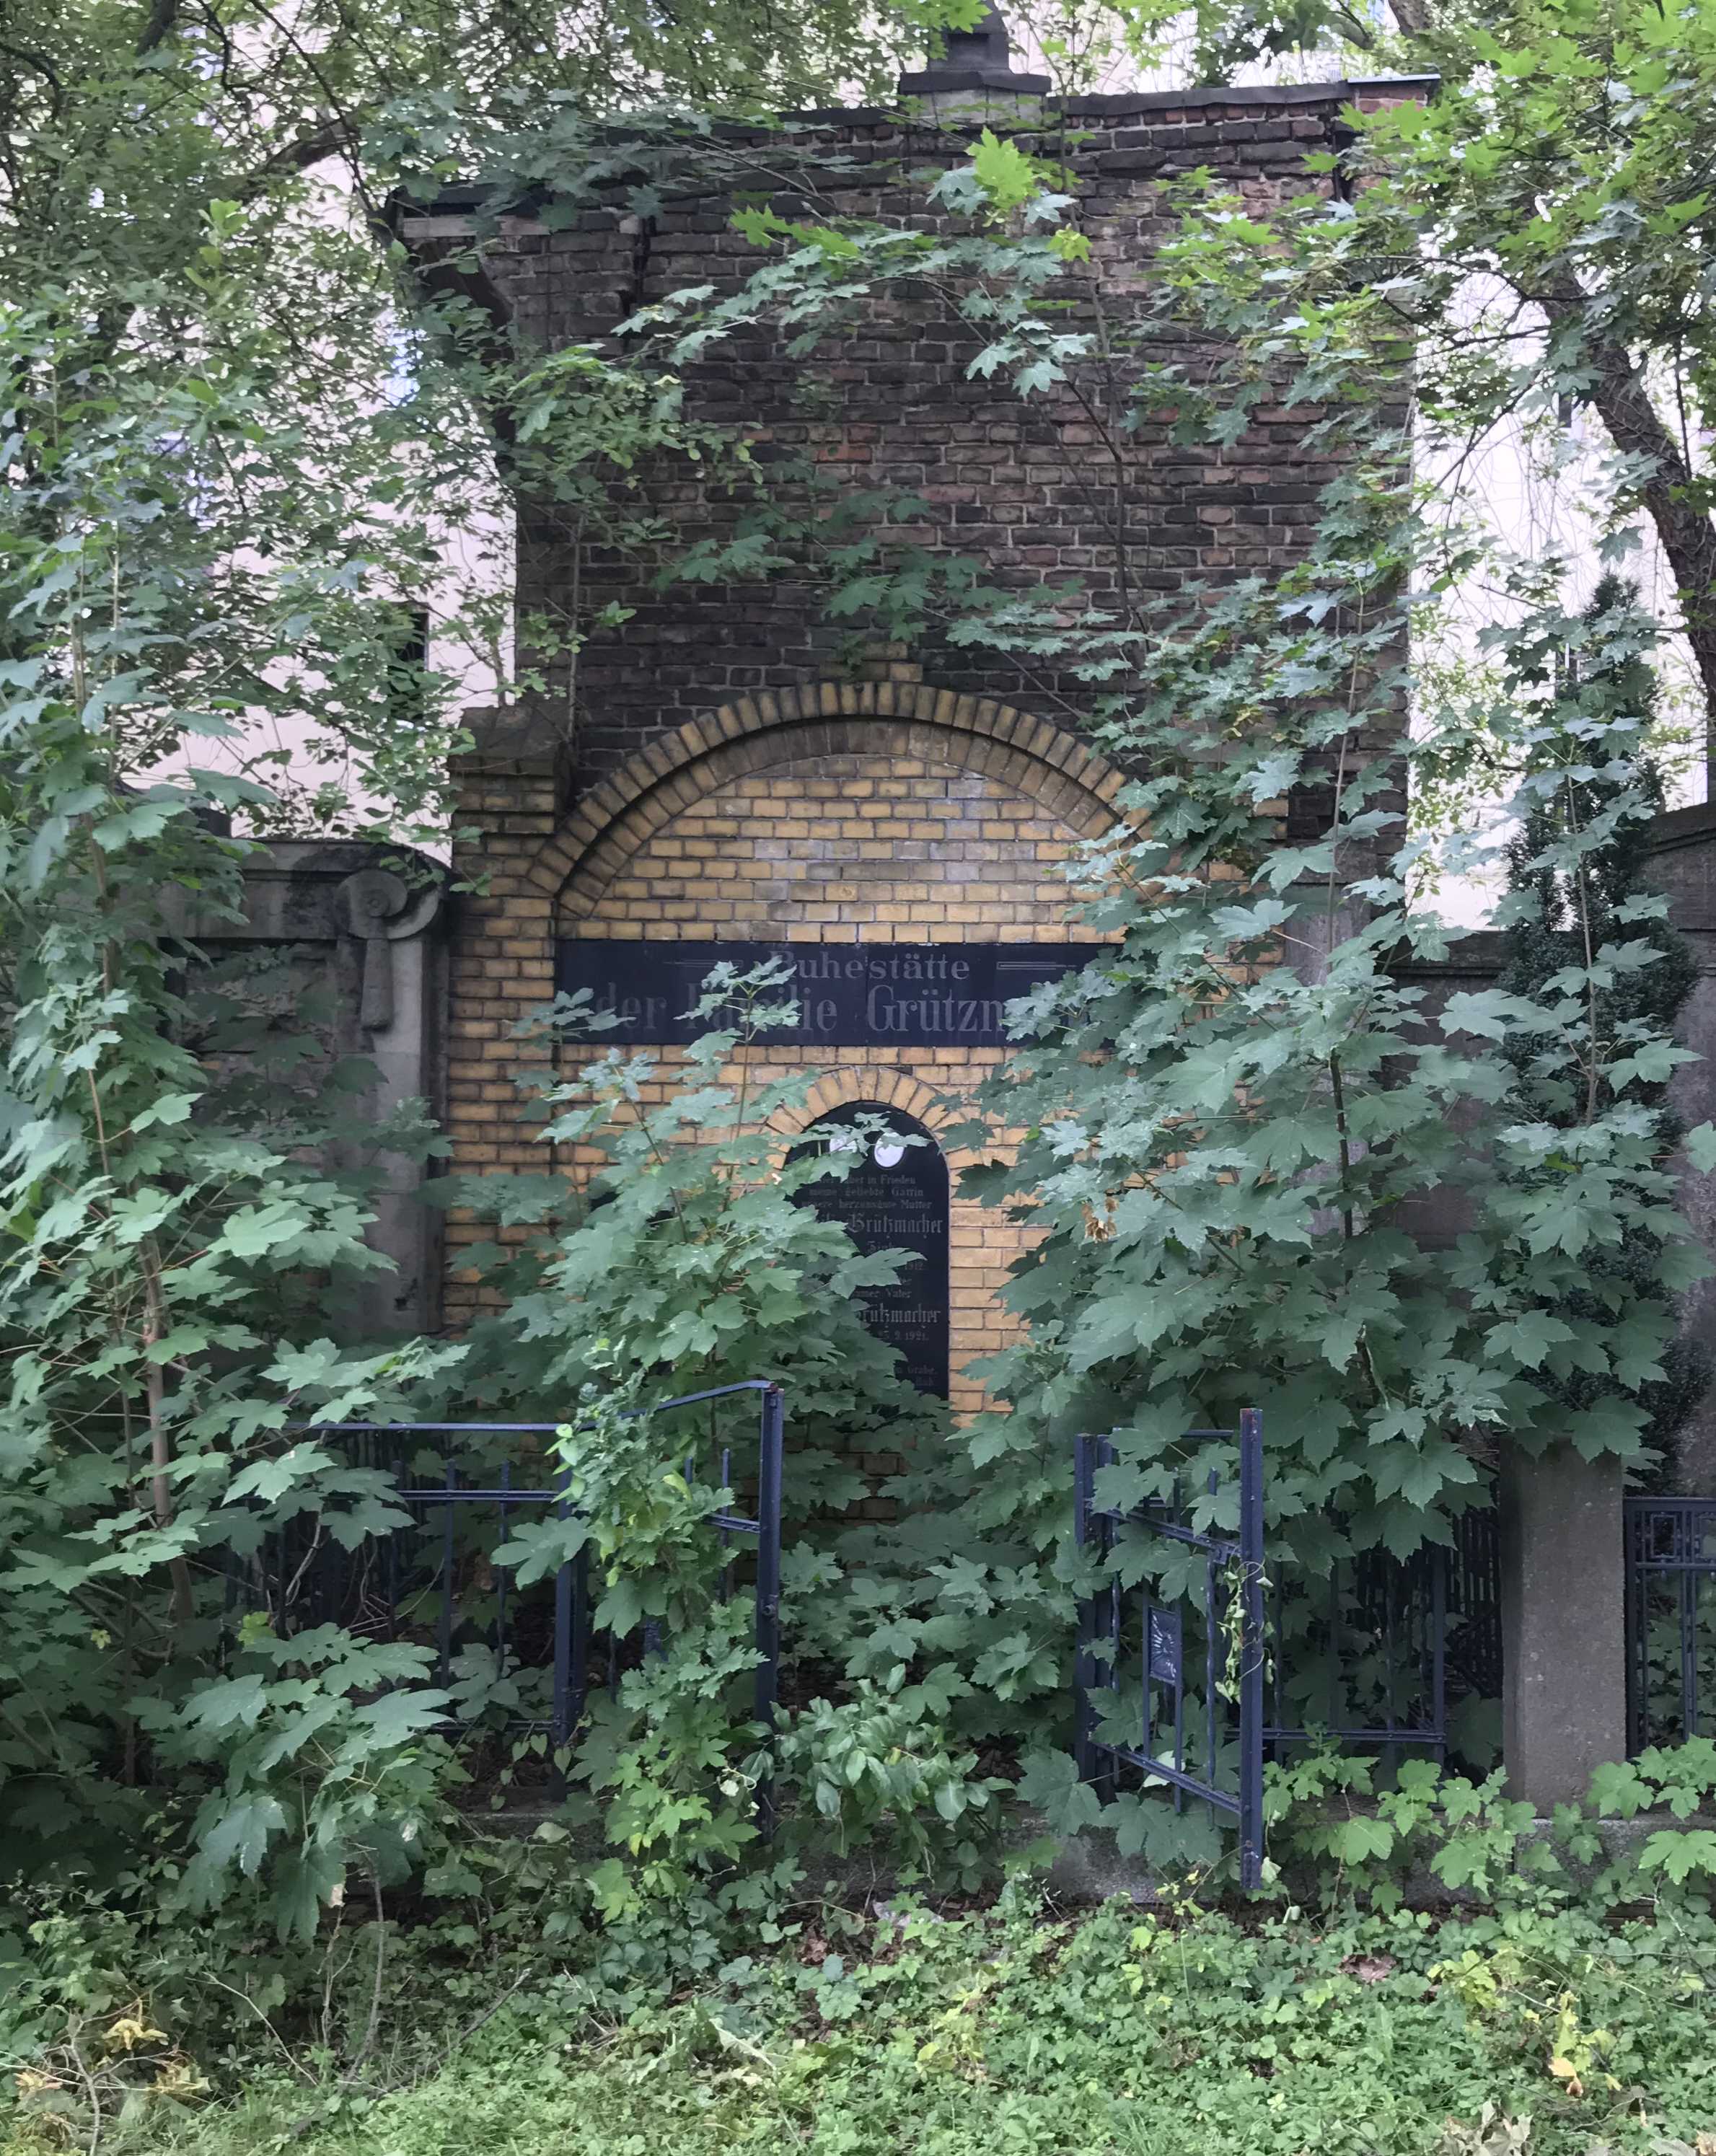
[[381, 908]]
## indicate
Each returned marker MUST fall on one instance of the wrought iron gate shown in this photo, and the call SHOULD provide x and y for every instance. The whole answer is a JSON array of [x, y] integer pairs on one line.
[[1187, 1736]]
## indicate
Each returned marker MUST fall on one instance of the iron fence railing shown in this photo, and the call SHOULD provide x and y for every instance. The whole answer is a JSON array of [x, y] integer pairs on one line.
[[1196, 1658], [528, 1654], [1372, 1651], [1199, 1655], [1670, 1619]]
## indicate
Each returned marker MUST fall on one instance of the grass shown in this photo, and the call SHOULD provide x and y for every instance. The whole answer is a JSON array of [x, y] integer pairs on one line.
[[1020, 2031]]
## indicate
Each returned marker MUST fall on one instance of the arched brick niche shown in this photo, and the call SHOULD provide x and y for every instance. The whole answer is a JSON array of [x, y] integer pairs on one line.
[[845, 814], [925, 733]]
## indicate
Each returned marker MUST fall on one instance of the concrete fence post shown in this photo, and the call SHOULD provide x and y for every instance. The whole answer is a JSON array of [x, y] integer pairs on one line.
[[1563, 1623]]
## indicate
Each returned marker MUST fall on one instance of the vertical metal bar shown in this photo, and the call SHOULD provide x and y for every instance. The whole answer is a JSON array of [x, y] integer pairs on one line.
[[1212, 1623], [1401, 1578], [1639, 1652], [1146, 1742], [571, 1619], [581, 1640], [501, 1587], [1438, 1649], [1702, 1579], [1114, 1603], [1251, 1648], [389, 1578], [771, 1450], [1177, 1515], [1084, 1750], [1685, 1541], [1147, 1652], [445, 1664], [1180, 1729], [727, 1540]]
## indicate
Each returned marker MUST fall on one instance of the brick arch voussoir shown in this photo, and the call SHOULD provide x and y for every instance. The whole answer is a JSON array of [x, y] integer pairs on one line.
[[846, 1082], [838, 1087], [621, 813]]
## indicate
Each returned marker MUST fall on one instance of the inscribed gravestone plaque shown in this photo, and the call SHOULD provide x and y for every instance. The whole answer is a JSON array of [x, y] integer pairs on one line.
[[849, 995], [895, 1198]]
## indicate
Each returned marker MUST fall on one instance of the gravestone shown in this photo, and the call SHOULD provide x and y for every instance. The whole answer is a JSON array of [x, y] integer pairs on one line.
[[849, 995], [895, 1198]]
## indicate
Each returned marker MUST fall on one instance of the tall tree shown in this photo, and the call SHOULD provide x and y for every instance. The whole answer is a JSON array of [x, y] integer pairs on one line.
[[1546, 220]]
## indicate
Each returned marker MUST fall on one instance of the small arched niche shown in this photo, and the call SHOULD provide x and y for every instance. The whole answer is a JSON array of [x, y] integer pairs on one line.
[[894, 1197]]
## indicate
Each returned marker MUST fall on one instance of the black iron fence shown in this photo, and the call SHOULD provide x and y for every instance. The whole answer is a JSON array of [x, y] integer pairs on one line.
[[1670, 1619], [1198, 1657], [523, 1658], [1169, 1682], [1374, 1652]]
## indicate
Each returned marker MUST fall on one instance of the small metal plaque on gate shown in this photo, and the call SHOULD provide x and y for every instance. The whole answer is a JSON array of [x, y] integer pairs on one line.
[[1164, 1646]]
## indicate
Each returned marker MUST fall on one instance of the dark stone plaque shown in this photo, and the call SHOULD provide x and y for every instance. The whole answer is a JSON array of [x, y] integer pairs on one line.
[[889, 1203], [849, 995]]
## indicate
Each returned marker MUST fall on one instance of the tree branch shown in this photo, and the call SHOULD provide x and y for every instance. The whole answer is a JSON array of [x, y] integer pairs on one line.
[[163, 20], [1620, 400]]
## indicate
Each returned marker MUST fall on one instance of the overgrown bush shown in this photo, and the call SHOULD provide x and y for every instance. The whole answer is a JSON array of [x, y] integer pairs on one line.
[[690, 1258], [1556, 2029]]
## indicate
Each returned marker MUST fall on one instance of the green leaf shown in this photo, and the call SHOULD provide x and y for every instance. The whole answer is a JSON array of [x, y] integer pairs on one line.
[[1360, 1840], [255, 1229], [1678, 1854], [229, 1702], [1049, 1781], [1528, 1338], [242, 1832]]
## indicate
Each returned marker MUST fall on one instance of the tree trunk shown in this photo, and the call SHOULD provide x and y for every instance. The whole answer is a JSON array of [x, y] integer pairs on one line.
[[1623, 403]]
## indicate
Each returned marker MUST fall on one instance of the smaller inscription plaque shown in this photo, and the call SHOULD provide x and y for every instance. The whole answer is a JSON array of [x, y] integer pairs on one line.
[[895, 1198], [1165, 1646], [849, 995]]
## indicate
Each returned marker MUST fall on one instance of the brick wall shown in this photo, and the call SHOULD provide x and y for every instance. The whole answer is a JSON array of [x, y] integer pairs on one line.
[[1030, 491], [913, 816], [728, 769]]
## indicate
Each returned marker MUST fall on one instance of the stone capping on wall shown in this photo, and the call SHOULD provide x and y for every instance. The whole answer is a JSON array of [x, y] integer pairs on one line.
[[828, 718], [452, 214]]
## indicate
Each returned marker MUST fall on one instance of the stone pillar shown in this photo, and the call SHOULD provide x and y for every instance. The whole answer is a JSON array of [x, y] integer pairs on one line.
[[1563, 1623], [398, 927], [350, 942]]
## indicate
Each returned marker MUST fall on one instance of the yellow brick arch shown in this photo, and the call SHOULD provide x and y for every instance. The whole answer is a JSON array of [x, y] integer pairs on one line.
[[975, 735], [843, 1083], [753, 824]]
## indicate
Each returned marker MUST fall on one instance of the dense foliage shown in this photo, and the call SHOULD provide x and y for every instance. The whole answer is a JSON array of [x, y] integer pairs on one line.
[[1237, 1118], [1269, 1166], [1566, 903], [1537, 2018], [231, 469]]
